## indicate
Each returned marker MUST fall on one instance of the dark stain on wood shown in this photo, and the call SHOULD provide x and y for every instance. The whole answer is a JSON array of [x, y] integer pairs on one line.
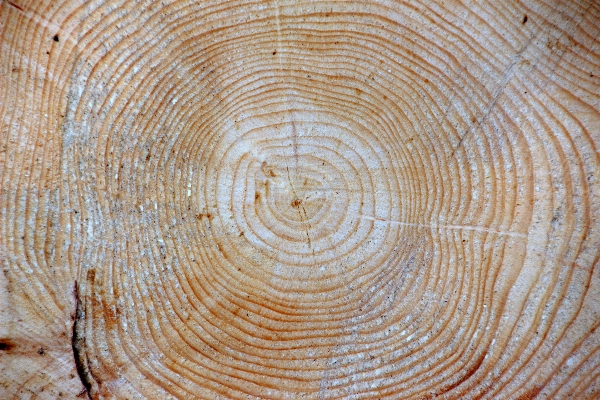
[[469, 373], [78, 341], [10, 3], [7, 345], [531, 394]]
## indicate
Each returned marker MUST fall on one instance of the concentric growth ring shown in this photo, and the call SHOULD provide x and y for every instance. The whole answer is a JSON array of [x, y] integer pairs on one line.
[[320, 200]]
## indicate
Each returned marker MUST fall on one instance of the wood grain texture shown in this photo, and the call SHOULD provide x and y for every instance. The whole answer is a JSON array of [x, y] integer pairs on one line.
[[240, 199]]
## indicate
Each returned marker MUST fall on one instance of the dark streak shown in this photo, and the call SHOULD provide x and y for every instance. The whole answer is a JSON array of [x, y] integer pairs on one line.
[[78, 345], [14, 5], [531, 394], [468, 373], [6, 345]]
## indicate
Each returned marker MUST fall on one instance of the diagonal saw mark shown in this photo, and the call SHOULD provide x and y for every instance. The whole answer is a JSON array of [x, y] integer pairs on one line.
[[507, 76]]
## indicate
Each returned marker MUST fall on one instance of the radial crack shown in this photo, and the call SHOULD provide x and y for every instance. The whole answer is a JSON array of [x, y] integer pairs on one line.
[[303, 218], [456, 227]]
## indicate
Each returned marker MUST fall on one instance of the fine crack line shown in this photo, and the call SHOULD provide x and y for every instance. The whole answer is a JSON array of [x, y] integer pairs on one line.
[[507, 75], [452, 227], [287, 95], [302, 219]]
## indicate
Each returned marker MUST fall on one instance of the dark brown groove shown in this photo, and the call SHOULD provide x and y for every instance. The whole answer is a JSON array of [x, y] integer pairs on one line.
[[10, 3], [78, 345]]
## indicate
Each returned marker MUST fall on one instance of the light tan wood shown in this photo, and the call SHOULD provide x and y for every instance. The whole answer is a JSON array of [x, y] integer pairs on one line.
[[362, 200]]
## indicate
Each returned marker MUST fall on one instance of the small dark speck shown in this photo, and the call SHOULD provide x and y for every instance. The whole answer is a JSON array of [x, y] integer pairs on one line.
[[274, 52], [525, 18], [56, 38], [41, 351]]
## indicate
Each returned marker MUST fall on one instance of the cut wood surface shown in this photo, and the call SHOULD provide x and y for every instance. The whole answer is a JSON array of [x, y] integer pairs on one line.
[[289, 199]]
